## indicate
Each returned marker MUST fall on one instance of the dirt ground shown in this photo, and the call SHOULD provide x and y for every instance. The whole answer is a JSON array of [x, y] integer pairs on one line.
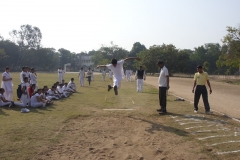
[[224, 98], [123, 137]]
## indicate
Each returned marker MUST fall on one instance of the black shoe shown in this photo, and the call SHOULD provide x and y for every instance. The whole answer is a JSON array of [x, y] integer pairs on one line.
[[162, 112], [109, 88], [115, 90]]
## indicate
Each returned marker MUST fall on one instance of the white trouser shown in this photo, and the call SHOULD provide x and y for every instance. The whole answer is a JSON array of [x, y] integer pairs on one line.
[[8, 95], [92, 78], [5, 103], [103, 77], [38, 104], [60, 78], [51, 97], [19, 104], [130, 77], [82, 81], [25, 100], [117, 82], [139, 85]]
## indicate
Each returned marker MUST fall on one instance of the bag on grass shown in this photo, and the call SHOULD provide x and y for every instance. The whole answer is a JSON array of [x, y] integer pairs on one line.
[[19, 91]]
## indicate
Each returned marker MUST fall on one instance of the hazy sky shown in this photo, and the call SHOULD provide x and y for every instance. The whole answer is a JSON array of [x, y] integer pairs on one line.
[[83, 25]]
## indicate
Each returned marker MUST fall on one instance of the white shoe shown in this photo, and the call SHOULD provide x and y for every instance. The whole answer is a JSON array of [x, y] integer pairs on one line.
[[195, 111]]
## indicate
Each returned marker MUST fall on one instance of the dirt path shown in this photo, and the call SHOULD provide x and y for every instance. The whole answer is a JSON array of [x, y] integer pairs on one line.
[[224, 98]]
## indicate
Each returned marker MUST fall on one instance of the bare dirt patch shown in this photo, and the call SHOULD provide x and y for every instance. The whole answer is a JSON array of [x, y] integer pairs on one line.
[[118, 137]]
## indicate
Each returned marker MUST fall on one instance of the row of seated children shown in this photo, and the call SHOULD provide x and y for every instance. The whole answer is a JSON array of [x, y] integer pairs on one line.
[[40, 97]]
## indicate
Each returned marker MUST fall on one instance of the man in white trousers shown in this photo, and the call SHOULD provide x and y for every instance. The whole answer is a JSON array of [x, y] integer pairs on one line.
[[140, 76], [81, 76], [7, 84], [118, 73], [103, 74], [25, 98]]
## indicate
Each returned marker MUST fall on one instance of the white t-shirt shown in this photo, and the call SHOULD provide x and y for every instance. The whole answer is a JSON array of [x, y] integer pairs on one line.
[[162, 80], [7, 85], [50, 92], [34, 98], [33, 78], [25, 85], [22, 75], [60, 90], [118, 70], [81, 73]]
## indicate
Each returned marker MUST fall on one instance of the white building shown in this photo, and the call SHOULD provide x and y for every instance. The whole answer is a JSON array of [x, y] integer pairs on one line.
[[85, 61]]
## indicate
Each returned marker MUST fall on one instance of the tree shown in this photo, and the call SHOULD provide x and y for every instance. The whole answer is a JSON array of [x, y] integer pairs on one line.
[[27, 37], [231, 56], [3, 54]]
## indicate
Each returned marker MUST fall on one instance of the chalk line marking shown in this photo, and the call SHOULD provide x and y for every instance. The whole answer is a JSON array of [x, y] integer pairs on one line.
[[132, 100], [188, 123], [203, 138], [228, 152], [105, 98], [119, 109], [224, 143]]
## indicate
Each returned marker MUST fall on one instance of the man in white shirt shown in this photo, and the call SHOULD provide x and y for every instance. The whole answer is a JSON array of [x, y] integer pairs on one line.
[[103, 74], [81, 76], [25, 98], [163, 82], [60, 74], [23, 74], [110, 74], [118, 73], [33, 78], [72, 85], [7, 84]]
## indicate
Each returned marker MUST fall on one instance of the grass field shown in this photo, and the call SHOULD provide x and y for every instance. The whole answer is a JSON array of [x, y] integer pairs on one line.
[[42, 132]]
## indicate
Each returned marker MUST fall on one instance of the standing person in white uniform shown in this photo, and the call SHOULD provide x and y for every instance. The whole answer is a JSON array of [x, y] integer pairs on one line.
[[81, 76], [23, 74], [92, 77], [127, 75], [25, 98], [60, 74], [140, 76], [33, 78], [27, 73], [130, 75], [118, 73], [7, 84], [89, 76], [103, 74]]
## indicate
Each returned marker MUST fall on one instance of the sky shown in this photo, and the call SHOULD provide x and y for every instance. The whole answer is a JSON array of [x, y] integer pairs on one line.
[[85, 25]]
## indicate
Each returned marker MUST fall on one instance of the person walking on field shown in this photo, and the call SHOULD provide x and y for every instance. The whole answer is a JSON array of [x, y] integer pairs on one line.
[[7, 84], [81, 76], [140, 76], [163, 82], [118, 73], [200, 79]]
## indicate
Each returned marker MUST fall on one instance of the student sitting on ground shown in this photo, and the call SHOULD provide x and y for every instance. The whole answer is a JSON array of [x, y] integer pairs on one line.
[[44, 97], [66, 89], [4, 102], [51, 93], [36, 100], [72, 85], [60, 90]]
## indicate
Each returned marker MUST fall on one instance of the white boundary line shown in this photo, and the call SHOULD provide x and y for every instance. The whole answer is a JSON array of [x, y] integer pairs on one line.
[[211, 109], [228, 152], [132, 100]]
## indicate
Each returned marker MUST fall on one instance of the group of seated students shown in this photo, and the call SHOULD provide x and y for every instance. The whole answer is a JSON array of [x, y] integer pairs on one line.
[[34, 97]]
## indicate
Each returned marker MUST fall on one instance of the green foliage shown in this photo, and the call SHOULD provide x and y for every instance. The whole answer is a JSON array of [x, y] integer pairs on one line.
[[230, 56]]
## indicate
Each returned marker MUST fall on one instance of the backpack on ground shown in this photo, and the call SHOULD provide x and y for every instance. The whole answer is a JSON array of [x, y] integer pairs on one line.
[[19, 91]]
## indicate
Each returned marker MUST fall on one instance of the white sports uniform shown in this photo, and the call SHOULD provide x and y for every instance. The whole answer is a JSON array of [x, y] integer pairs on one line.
[[7, 85], [25, 98], [118, 73], [81, 77], [35, 103]]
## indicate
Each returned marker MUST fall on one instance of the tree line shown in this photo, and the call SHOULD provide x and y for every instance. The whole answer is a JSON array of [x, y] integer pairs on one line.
[[25, 48]]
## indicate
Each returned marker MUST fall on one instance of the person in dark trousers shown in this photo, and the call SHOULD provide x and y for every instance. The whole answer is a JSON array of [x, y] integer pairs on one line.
[[140, 76], [200, 79], [163, 82]]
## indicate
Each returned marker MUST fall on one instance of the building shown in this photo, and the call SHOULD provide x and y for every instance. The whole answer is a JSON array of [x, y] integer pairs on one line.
[[85, 61]]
